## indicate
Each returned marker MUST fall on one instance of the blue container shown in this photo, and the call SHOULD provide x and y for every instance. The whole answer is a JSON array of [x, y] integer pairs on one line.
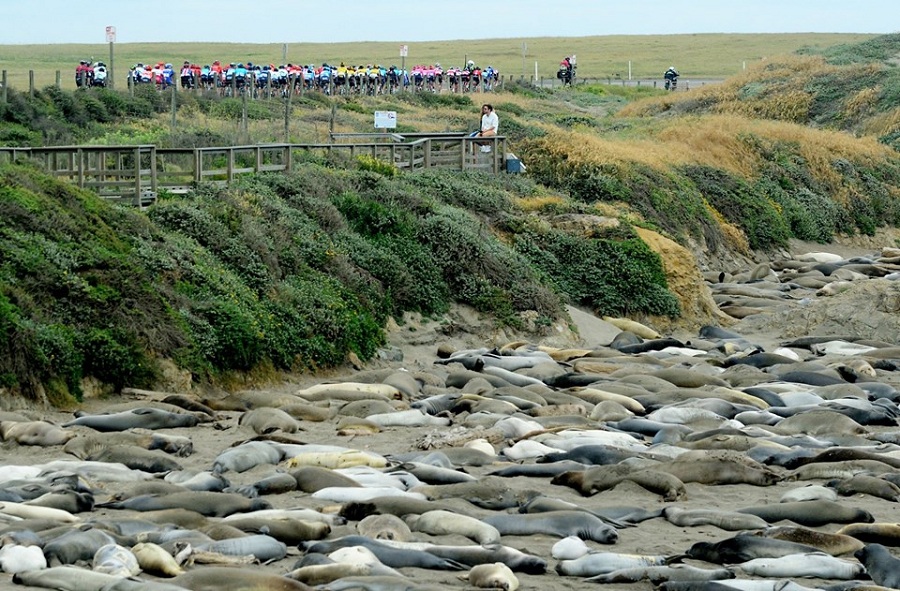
[[513, 165]]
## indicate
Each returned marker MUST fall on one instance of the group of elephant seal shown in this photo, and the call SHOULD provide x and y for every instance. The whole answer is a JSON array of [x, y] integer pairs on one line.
[[648, 459]]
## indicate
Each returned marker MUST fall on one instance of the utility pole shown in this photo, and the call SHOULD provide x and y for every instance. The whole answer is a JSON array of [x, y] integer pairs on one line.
[[524, 50], [110, 71]]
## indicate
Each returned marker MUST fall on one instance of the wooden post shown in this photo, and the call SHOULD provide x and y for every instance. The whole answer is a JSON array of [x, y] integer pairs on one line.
[[287, 112], [174, 107], [198, 165], [111, 70], [230, 176], [244, 127], [5, 88], [137, 176], [80, 168], [153, 180], [58, 79], [31, 82]]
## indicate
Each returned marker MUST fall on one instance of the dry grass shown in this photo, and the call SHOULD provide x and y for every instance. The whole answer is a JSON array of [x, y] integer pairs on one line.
[[699, 56]]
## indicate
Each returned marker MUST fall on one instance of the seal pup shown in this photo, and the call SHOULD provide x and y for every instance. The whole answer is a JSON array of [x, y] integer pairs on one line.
[[153, 558], [114, 559], [597, 563], [813, 564], [492, 576], [16, 558]]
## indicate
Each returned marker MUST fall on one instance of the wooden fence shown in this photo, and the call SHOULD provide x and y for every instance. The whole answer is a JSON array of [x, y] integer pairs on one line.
[[136, 174]]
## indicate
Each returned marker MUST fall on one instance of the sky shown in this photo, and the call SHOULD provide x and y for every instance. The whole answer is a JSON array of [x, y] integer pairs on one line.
[[323, 21]]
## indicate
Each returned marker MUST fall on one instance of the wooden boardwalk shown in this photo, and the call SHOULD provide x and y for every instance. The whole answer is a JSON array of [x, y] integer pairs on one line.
[[136, 174]]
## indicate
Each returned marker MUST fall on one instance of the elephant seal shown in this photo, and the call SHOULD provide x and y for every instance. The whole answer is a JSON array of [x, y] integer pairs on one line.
[[810, 513], [39, 433], [814, 564], [744, 547], [262, 547], [641, 330], [74, 578], [266, 419], [727, 520], [384, 527], [599, 478], [569, 548], [24, 511], [389, 552], [492, 576], [314, 478], [880, 564], [835, 544], [596, 563], [114, 559], [555, 523], [76, 545], [16, 558], [132, 456], [218, 578], [870, 485], [288, 531], [155, 559], [136, 418], [886, 534], [441, 522], [471, 555], [247, 455], [660, 574], [210, 504]]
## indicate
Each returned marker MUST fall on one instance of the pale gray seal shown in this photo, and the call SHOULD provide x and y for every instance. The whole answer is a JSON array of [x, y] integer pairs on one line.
[[555, 523]]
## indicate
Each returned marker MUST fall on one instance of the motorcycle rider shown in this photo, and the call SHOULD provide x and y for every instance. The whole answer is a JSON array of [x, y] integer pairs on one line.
[[671, 77]]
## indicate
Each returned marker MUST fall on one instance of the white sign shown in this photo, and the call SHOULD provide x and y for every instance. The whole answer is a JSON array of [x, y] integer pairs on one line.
[[110, 34], [404, 50], [385, 119]]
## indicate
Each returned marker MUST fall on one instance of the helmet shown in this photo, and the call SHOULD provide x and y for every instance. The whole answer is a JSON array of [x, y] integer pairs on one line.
[[671, 67]]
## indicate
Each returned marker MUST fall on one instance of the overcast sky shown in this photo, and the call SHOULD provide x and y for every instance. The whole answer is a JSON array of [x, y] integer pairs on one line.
[[286, 21]]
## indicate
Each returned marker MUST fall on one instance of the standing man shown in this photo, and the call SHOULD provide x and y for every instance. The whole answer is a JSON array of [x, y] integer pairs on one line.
[[490, 123]]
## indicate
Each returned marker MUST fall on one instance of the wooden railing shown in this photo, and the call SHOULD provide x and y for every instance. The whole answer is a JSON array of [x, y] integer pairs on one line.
[[136, 174]]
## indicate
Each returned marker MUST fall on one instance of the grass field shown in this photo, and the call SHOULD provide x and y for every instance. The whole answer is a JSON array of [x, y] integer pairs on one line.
[[614, 56]]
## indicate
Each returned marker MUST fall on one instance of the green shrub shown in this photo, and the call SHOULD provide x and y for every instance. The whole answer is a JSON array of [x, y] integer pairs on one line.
[[115, 357], [613, 277], [741, 204]]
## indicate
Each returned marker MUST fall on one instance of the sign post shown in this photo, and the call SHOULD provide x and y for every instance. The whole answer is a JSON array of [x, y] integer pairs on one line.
[[385, 120], [110, 73]]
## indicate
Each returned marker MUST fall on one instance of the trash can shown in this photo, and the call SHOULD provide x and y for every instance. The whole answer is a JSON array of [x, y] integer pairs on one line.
[[514, 165]]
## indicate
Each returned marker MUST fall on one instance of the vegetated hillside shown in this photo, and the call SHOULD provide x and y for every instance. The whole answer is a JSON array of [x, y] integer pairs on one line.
[[803, 146], [285, 272]]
